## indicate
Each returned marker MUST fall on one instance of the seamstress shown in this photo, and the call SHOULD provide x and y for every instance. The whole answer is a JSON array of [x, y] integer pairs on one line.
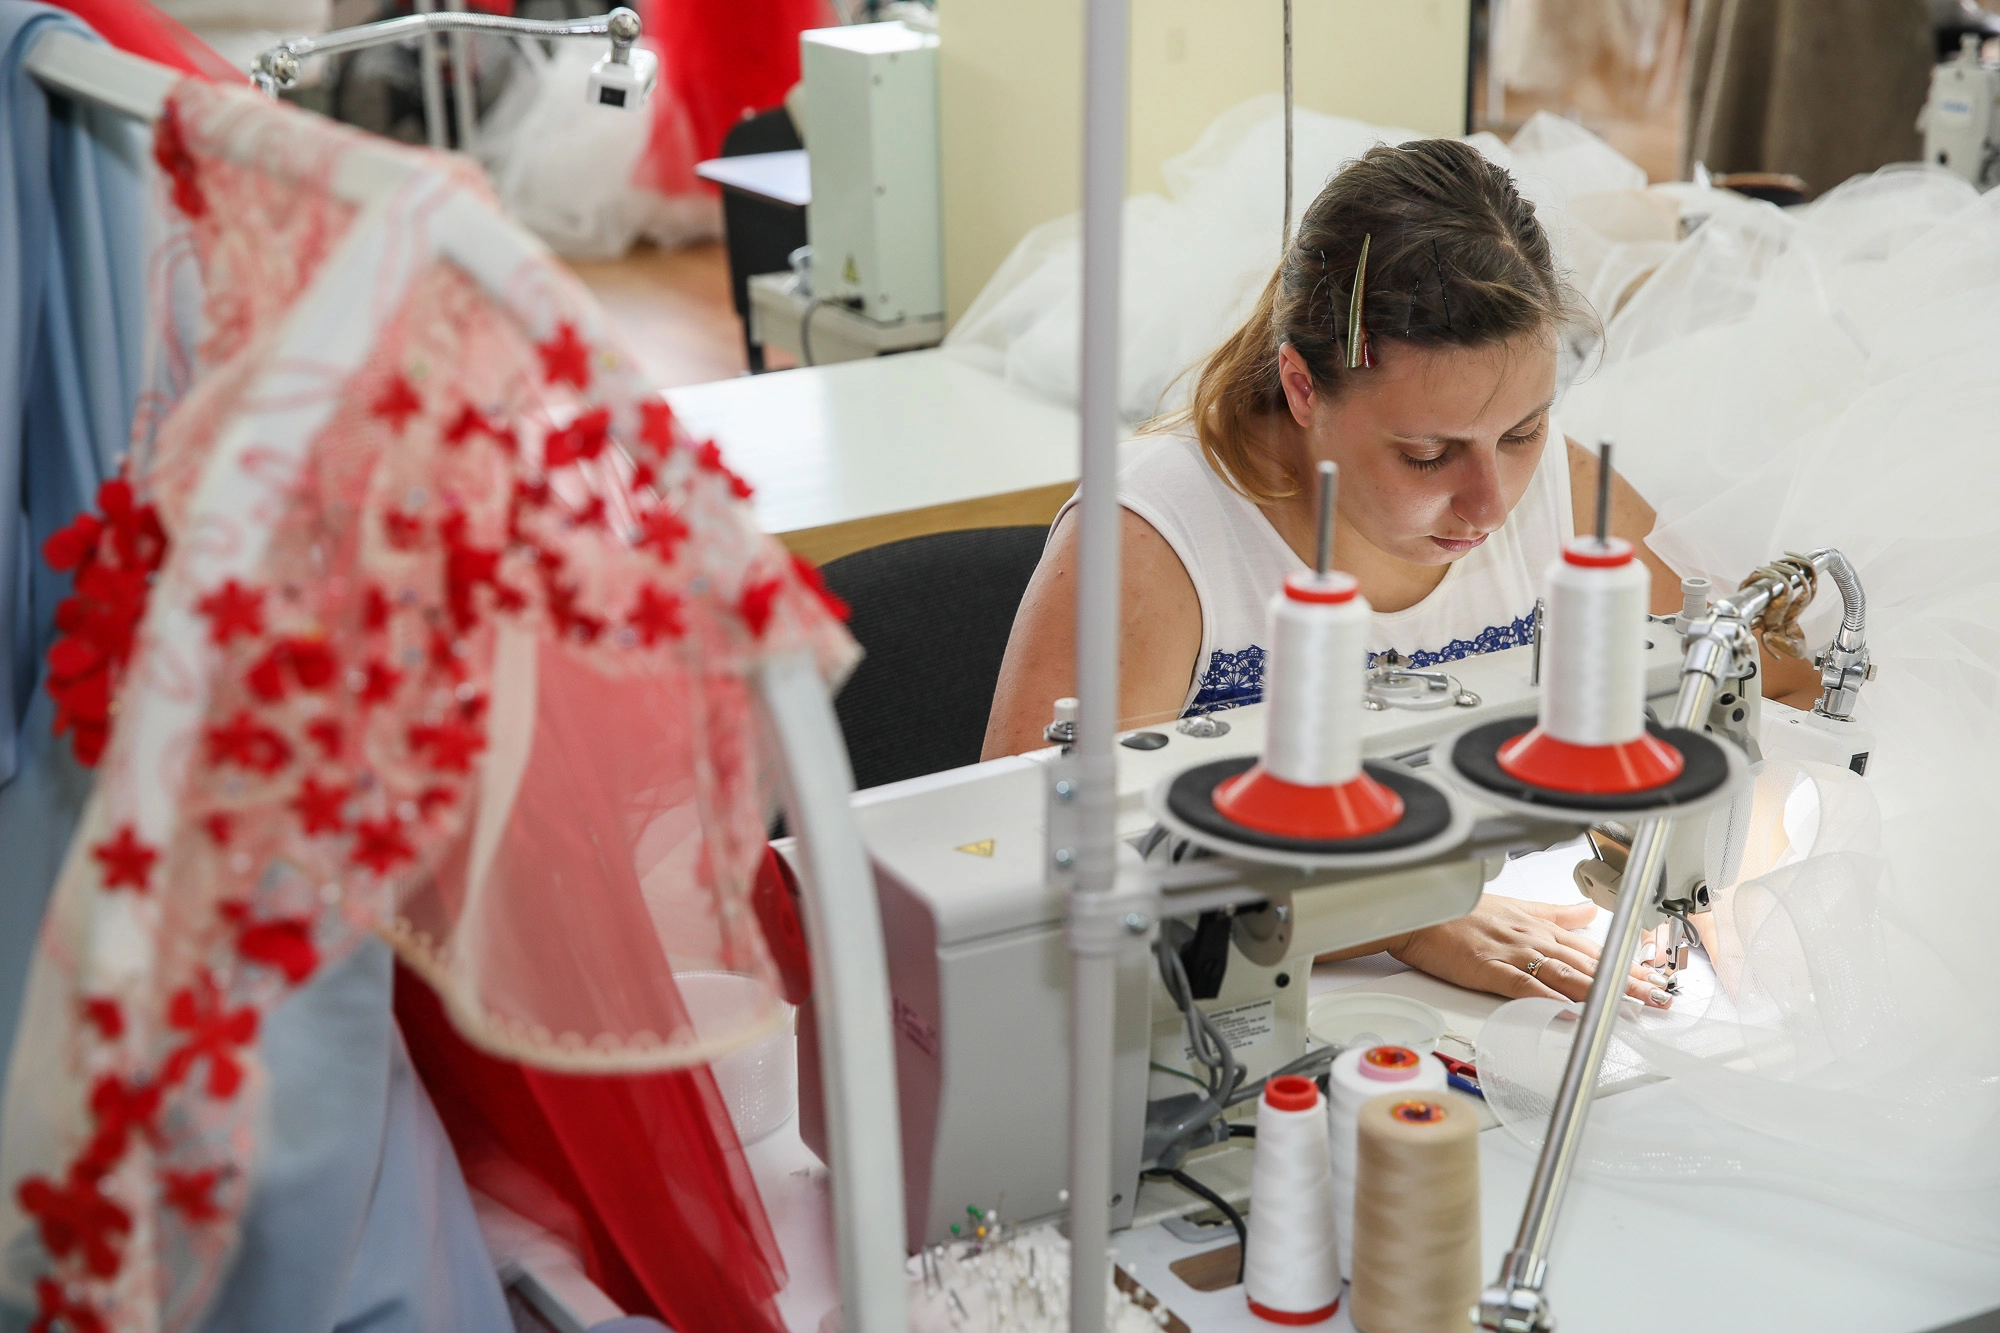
[[1435, 396]]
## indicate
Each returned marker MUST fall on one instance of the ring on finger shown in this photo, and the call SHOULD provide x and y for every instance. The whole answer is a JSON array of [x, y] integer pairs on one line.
[[1536, 965]]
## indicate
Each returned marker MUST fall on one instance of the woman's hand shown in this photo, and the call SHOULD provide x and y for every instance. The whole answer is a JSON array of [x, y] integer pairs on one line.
[[1493, 947]]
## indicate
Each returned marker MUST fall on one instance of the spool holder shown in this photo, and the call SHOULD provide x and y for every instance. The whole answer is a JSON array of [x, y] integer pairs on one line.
[[1177, 801]]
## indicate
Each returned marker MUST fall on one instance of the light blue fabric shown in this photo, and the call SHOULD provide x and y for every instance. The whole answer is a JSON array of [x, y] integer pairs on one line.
[[72, 311], [360, 1222]]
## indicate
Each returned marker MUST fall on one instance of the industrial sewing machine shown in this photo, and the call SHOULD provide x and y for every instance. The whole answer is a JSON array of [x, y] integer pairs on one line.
[[974, 921], [1960, 120]]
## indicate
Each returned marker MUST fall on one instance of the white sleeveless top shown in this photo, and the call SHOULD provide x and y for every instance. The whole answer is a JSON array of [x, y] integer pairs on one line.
[[1237, 562]]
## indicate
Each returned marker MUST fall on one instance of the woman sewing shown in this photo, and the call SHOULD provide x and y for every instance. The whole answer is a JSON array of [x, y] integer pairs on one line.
[[1457, 490]]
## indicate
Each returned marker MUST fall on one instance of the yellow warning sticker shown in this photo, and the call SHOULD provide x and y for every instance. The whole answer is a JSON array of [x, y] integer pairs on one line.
[[983, 848], [851, 275]]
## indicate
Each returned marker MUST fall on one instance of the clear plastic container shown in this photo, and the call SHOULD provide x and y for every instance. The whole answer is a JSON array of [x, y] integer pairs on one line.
[[759, 1083]]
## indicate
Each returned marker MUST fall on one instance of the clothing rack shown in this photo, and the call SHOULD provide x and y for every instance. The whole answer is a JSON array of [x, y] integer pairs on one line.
[[842, 919]]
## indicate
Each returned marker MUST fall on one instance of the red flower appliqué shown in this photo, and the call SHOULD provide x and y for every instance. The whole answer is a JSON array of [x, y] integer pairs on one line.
[[114, 556], [127, 862], [215, 1033], [319, 807], [76, 1218], [284, 943], [583, 438], [656, 615], [708, 455], [59, 1312], [170, 150]]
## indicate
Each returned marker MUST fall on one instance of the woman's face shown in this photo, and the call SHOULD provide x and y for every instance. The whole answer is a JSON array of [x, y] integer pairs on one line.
[[1435, 445]]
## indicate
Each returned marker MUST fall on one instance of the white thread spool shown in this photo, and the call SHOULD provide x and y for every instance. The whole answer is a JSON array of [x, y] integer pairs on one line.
[[1359, 1076], [1416, 1214], [1593, 664], [1291, 1268], [1313, 680]]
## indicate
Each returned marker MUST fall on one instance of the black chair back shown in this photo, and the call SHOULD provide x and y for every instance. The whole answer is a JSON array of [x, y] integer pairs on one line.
[[933, 613]]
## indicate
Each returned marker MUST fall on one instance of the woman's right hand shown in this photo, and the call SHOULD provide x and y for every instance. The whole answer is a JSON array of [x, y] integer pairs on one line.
[[1495, 948]]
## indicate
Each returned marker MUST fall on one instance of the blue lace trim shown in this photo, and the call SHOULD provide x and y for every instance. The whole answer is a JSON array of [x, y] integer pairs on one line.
[[1238, 678]]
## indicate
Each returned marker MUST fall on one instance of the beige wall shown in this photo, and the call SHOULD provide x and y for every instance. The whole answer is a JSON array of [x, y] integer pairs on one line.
[[1010, 95]]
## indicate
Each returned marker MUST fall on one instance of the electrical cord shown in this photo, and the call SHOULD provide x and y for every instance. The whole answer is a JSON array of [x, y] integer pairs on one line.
[[1221, 1205], [1209, 1047], [1242, 1131], [805, 329]]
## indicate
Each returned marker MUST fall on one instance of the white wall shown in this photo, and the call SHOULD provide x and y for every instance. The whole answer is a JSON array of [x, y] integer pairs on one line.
[[1010, 95]]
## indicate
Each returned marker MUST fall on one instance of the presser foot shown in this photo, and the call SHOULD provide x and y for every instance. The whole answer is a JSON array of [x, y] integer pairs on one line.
[[1508, 1309]]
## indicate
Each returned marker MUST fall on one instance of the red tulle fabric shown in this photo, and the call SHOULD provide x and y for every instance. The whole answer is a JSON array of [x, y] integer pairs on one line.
[[137, 27], [726, 61], [641, 1174]]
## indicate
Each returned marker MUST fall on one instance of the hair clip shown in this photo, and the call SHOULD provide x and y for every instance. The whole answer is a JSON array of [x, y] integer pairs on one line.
[[1359, 354], [1444, 290]]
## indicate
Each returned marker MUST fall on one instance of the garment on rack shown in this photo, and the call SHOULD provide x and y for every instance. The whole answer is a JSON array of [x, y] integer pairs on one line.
[[143, 30], [71, 326], [452, 639]]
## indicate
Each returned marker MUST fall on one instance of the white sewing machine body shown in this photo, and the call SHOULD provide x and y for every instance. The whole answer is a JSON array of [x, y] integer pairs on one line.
[[1960, 120], [979, 966]]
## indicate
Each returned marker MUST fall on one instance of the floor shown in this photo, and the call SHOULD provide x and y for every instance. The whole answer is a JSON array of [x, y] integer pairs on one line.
[[674, 310]]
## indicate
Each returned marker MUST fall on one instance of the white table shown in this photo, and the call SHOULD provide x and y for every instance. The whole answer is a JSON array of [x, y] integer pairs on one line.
[[1717, 1258], [781, 177], [852, 455]]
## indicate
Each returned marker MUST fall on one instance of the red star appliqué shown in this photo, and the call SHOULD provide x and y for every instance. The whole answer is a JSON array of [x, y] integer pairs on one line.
[[319, 807], [662, 531], [565, 357], [656, 615], [708, 455], [656, 425], [103, 1013], [398, 403], [191, 1193], [127, 862], [756, 603], [450, 745], [284, 943], [583, 438], [378, 683], [379, 845], [248, 743], [232, 610]]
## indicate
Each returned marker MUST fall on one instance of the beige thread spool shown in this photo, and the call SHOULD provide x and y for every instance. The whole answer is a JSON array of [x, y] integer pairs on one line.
[[1416, 1214]]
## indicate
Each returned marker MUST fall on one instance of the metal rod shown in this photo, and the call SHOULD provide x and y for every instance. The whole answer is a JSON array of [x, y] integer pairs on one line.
[[464, 96], [1526, 1263], [279, 66], [1603, 490], [432, 79], [1286, 238], [1329, 489], [1093, 976]]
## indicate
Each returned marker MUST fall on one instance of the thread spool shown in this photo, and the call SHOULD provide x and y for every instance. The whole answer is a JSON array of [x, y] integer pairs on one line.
[[1359, 1076], [1310, 783], [1416, 1214], [1291, 1269], [1591, 736]]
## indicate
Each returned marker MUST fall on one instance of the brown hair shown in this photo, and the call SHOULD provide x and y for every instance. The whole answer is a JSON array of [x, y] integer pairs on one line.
[[1455, 258]]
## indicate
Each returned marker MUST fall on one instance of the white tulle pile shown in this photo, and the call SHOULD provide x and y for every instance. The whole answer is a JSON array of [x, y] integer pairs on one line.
[[1785, 381]]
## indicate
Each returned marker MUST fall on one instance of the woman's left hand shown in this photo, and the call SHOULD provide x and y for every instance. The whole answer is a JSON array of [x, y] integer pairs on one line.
[[1516, 948]]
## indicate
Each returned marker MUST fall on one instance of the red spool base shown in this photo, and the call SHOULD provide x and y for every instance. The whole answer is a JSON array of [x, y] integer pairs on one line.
[[1293, 1317], [1540, 760], [1354, 809]]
